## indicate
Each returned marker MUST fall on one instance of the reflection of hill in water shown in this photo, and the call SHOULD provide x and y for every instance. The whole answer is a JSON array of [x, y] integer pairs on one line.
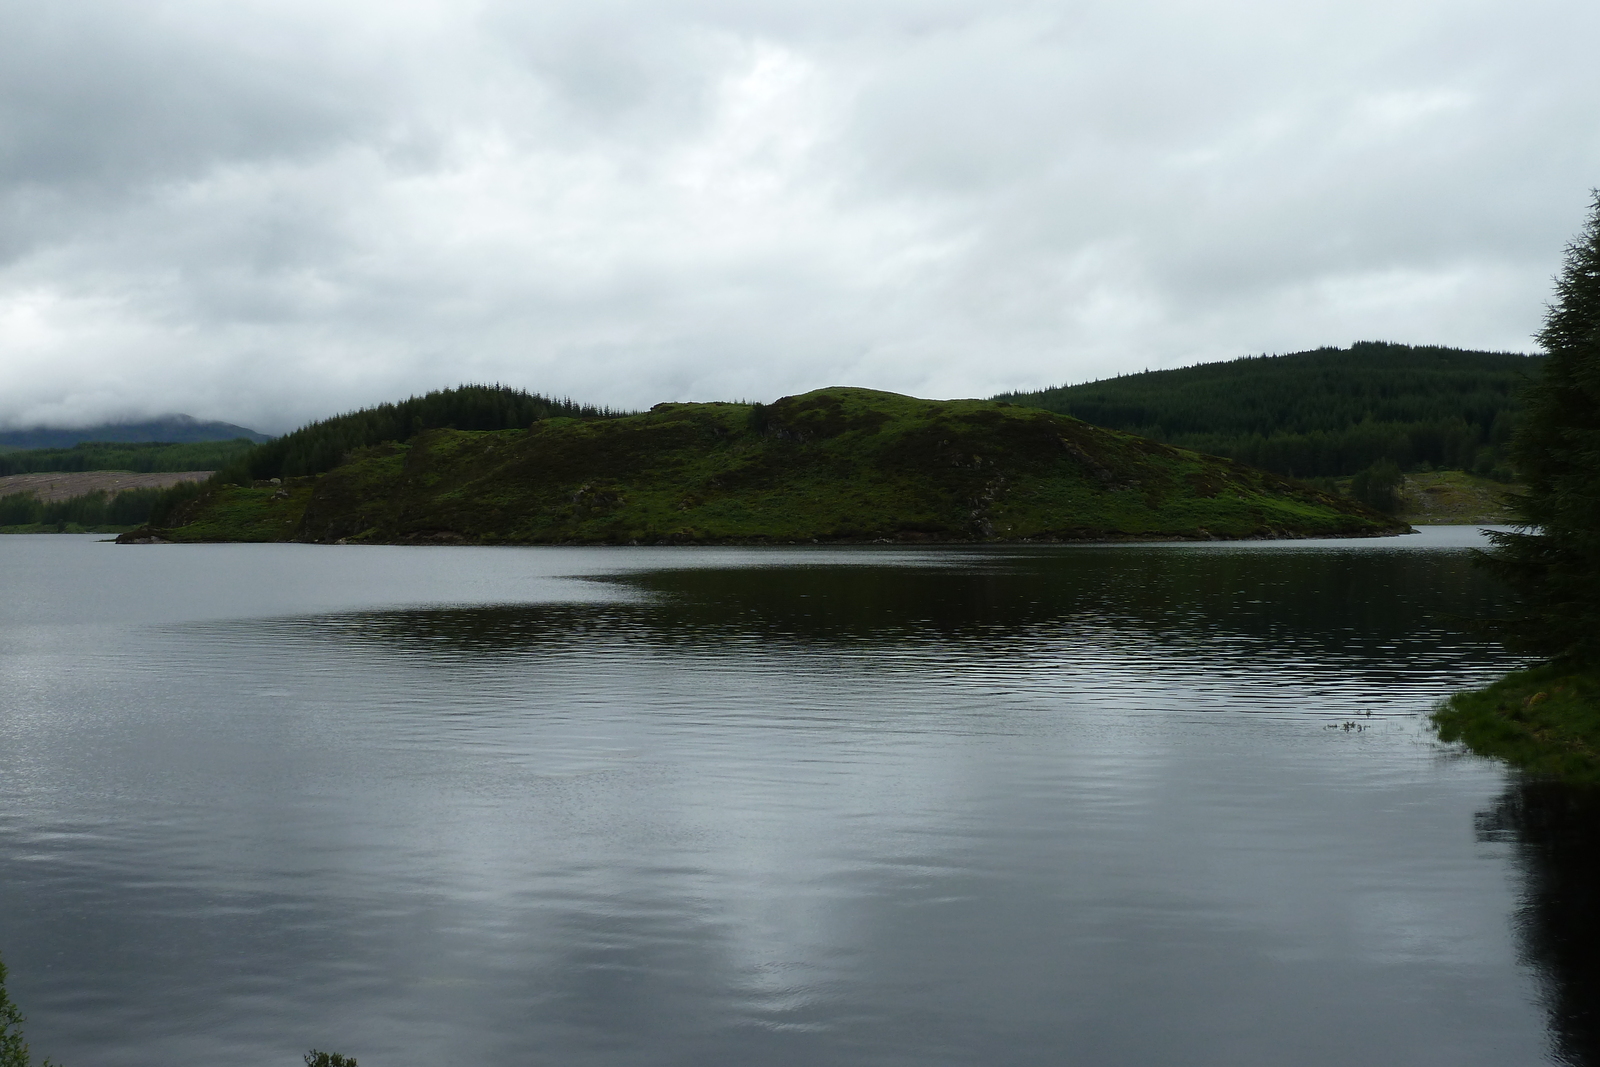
[[1557, 833], [1372, 604]]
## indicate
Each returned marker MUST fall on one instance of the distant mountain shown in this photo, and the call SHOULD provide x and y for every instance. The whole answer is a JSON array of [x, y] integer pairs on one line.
[[176, 429], [1323, 413]]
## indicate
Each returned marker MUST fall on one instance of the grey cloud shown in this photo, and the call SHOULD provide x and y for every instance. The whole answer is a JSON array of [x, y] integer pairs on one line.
[[267, 212], [120, 94]]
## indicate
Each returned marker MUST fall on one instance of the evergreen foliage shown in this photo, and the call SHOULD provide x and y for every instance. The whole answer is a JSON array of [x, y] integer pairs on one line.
[[172, 499], [321, 446], [1378, 486], [115, 456], [328, 1059], [1326, 413], [127, 508], [1553, 557], [13, 1049]]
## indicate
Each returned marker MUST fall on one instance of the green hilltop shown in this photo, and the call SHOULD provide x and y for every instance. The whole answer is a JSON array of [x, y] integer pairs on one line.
[[833, 465], [1325, 413]]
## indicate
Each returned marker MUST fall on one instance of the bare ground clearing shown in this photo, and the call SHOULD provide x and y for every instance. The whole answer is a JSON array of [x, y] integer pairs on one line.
[[64, 485], [1450, 497]]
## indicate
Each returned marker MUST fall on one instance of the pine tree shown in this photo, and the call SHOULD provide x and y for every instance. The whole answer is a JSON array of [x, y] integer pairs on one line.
[[1553, 557], [1379, 486]]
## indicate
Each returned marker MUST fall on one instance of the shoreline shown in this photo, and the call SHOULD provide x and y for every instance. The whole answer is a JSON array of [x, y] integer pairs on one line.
[[1543, 720], [147, 536]]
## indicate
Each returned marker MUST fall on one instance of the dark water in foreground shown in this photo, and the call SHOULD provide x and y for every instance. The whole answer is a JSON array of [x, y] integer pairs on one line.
[[722, 806]]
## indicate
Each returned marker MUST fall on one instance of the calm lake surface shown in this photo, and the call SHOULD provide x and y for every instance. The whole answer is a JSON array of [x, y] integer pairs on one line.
[[1028, 805]]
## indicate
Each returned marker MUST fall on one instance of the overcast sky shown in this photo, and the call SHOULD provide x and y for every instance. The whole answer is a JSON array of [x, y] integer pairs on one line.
[[268, 211]]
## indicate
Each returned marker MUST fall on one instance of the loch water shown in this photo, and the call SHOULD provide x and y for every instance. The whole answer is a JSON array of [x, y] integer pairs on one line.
[[1090, 805]]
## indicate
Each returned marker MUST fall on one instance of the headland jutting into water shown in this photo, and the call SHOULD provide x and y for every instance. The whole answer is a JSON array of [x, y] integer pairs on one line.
[[837, 465]]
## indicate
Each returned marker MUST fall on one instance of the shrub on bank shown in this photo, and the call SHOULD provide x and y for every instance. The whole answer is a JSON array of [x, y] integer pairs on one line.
[[1379, 486]]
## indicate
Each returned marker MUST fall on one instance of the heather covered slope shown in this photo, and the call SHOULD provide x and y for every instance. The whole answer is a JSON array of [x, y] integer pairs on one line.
[[836, 464]]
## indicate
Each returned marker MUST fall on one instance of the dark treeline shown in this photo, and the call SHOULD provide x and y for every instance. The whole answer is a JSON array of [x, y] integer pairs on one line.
[[117, 456], [320, 446], [1320, 414], [127, 508], [1553, 556]]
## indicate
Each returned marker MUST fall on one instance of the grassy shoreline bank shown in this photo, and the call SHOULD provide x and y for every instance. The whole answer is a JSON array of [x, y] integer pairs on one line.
[[1544, 720]]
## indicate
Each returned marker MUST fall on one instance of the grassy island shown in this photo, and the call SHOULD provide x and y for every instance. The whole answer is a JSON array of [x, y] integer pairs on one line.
[[833, 465]]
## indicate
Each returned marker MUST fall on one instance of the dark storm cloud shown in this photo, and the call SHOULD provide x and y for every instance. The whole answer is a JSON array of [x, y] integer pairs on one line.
[[269, 211]]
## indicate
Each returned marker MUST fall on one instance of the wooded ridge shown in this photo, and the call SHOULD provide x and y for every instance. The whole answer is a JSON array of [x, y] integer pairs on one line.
[[833, 465], [1325, 413]]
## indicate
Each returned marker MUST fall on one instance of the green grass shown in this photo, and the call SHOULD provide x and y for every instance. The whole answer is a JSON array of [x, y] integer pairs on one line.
[[234, 513], [834, 465], [1544, 720]]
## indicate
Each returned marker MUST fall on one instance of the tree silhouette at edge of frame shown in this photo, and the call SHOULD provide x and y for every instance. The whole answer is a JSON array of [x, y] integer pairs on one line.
[[1552, 556]]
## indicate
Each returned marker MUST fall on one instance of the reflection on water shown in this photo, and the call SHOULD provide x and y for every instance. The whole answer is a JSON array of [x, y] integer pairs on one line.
[[1557, 833], [1362, 601], [724, 807], [1286, 633]]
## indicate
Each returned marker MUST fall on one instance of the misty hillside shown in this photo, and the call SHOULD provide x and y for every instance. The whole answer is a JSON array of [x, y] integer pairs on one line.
[[1324, 413], [173, 429]]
